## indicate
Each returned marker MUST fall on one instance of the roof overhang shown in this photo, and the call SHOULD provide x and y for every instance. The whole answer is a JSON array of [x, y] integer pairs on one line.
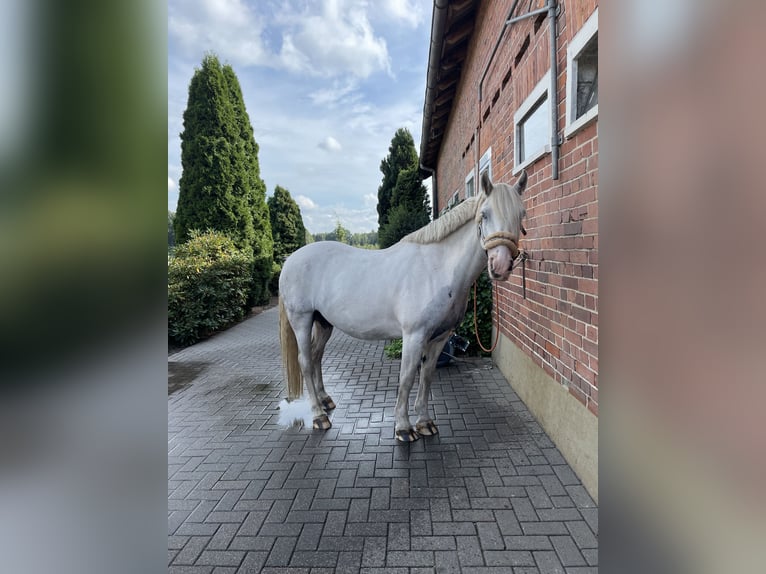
[[452, 26]]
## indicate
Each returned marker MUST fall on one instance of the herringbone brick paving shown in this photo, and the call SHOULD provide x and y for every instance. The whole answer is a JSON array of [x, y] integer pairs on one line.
[[490, 493]]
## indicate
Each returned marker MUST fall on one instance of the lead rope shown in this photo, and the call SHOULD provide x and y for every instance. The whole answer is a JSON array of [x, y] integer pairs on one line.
[[523, 259], [476, 322]]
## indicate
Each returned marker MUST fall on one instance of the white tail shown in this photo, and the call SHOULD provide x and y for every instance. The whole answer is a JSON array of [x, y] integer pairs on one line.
[[289, 355]]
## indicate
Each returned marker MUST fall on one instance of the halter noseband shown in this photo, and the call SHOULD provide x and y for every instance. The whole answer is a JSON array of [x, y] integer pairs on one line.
[[499, 238]]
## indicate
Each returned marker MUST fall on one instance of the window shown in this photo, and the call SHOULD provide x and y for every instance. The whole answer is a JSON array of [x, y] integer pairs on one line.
[[533, 126], [470, 188], [453, 200], [485, 164], [582, 76]]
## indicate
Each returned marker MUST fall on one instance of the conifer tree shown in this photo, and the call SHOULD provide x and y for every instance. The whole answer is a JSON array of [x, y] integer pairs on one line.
[[402, 198], [401, 155], [287, 226], [254, 190], [210, 192], [221, 187]]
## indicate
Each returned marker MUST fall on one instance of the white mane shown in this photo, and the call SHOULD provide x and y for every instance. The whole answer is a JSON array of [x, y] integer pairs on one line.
[[440, 228]]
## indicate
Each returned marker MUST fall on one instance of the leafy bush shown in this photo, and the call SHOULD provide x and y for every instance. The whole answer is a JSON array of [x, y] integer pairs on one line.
[[484, 311], [209, 280], [276, 271], [394, 349]]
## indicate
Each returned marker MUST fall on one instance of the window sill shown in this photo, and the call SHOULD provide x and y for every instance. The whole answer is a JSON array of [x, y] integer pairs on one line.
[[531, 159], [584, 120]]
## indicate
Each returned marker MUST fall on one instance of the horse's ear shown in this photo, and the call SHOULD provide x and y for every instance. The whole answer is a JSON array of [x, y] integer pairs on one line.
[[522, 183], [486, 183]]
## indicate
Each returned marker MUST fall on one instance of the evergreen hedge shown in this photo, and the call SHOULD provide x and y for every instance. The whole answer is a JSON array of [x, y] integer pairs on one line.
[[209, 280]]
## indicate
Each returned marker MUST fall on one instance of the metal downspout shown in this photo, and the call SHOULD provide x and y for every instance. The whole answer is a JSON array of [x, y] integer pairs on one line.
[[438, 23], [554, 95], [434, 193], [551, 8]]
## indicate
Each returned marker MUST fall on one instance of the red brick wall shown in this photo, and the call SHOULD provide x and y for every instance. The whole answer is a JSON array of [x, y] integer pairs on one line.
[[557, 324]]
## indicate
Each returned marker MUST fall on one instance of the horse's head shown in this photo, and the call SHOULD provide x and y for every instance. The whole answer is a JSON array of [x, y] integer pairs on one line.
[[500, 224]]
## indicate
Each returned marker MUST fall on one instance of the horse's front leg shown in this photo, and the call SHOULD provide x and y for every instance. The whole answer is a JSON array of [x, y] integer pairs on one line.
[[425, 425], [412, 349]]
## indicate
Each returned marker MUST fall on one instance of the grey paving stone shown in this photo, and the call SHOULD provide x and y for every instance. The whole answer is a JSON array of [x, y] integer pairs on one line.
[[582, 534], [548, 562], [527, 543], [489, 536], [433, 543], [509, 558], [190, 569], [468, 551], [410, 558], [490, 493], [281, 552], [374, 553], [567, 551], [314, 559], [220, 558], [253, 563]]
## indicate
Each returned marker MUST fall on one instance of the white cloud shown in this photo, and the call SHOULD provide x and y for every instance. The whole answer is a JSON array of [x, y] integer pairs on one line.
[[337, 40], [293, 114], [370, 200], [327, 39], [227, 27], [411, 13], [171, 184], [345, 92], [305, 202], [330, 144]]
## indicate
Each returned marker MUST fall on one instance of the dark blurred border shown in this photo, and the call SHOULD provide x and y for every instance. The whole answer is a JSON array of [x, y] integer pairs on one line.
[[682, 287], [83, 167]]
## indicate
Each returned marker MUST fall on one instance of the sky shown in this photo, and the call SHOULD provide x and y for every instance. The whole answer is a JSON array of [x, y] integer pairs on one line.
[[326, 84]]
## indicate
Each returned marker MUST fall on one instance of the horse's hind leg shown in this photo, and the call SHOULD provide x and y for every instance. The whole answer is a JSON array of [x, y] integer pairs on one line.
[[322, 333], [425, 425], [412, 348], [302, 325]]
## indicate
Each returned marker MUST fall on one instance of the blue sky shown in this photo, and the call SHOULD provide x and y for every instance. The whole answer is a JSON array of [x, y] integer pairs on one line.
[[326, 84]]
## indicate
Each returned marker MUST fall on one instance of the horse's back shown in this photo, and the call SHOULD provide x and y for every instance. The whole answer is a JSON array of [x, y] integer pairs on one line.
[[356, 290]]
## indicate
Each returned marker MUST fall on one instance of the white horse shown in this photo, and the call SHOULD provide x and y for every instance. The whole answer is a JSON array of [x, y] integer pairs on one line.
[[416, 289]]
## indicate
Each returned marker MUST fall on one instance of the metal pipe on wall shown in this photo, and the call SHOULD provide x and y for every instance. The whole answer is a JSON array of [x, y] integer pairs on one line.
[[551, 8], [438, 22], [553, 94], [434, 194]]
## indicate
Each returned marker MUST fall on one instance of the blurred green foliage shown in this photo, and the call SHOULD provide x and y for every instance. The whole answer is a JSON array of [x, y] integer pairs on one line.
[[393, 350]]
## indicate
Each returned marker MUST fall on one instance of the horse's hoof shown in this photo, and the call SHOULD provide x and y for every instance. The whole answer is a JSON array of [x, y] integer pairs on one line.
[[328, 404], [407, 435], [427, 428], [322, 422]]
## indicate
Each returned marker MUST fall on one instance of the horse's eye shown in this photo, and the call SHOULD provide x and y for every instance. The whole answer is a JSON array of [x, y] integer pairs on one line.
[[484, 215]]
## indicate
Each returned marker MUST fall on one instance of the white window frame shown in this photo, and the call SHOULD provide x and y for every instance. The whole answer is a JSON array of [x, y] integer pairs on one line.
[[537, 93], [581, 39], [454, 199], [468, 179], [486, 162]]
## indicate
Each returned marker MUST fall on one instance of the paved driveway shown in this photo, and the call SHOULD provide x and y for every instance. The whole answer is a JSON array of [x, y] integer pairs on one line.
[[490, 493]]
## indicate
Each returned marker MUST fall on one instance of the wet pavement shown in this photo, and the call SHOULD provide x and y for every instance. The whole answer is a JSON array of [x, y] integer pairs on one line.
[[247, 494]]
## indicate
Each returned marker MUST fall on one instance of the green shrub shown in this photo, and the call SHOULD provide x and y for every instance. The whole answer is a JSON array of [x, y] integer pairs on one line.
[[484, 311], [276, 270], [394, 349], [209, 280]]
